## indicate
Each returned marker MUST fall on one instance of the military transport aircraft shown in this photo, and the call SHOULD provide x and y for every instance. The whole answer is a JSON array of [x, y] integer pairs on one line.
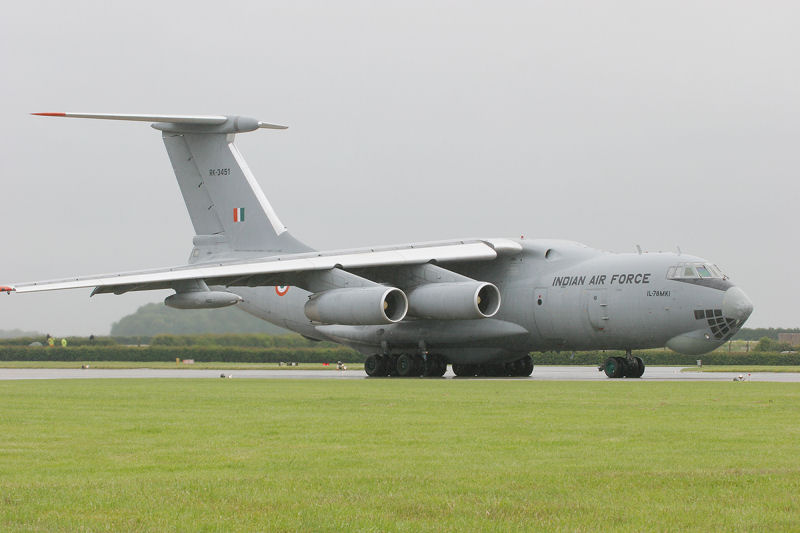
[[481, 305]]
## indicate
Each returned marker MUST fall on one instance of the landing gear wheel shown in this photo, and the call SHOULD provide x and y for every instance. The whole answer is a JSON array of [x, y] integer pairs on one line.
[[405, 365], [638, 370], [442, 369], [614, 367], [463, 370], [390, 363], [494, 370], [524, 366], [435, 366], [374, 366]]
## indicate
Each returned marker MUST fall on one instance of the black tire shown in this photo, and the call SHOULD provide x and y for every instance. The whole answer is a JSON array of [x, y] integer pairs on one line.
[[435, 366], [406, 366], [639, 371], [463, 370], [429, 366], [390, 363], [374, 366], [614, 367], [527, 366], [442, 366], [419, 366], [494, 370]]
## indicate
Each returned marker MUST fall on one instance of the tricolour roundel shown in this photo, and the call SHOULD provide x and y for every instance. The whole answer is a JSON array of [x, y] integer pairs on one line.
[[281, 290]]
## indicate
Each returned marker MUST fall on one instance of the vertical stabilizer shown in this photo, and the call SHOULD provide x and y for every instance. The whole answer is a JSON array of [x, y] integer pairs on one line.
[[228, 209], [224, 200]]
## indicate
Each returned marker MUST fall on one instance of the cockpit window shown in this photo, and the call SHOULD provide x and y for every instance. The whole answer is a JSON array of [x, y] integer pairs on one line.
[[694, 271], [703, 271]]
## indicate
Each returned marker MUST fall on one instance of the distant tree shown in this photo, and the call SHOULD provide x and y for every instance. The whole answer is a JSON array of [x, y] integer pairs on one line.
[[766, 344], [157, 318], [754, 334]]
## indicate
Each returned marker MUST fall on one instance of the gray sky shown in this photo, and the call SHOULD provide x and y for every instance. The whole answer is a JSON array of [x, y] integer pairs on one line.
[[609, 123]]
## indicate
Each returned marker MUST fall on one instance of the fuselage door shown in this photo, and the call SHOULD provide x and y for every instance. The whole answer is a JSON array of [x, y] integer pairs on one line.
[[543, 314], [597, 308]]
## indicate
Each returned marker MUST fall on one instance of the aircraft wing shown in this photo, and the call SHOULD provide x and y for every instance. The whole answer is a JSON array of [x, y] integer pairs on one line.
[[280, 270]]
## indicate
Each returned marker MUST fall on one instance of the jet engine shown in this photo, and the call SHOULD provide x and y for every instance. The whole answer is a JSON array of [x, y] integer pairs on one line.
[[454, 301], [202, 300], [358, 306]]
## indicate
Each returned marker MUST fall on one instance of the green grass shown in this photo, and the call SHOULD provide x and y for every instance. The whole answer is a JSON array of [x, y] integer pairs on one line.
[[740, 368], [171, 365], [398, 455]]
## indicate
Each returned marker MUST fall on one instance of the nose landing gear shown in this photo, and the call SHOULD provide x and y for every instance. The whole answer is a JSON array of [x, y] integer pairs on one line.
[[628, 366]]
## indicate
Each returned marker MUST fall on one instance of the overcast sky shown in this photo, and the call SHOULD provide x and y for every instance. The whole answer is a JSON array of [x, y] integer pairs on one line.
[[662, 124]]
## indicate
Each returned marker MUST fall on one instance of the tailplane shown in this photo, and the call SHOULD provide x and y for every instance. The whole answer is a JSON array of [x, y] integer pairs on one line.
[[228, 209]]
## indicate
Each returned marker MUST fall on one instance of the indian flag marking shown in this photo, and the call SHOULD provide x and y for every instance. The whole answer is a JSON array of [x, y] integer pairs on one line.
[[238, 214], [281, 290]]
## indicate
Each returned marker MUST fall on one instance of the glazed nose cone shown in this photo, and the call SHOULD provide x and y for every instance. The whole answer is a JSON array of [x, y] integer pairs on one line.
[[736, 304]]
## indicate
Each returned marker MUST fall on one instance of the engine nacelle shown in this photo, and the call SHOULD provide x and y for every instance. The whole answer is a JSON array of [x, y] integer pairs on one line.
[[358, 306], [454, 301], [202, 300]]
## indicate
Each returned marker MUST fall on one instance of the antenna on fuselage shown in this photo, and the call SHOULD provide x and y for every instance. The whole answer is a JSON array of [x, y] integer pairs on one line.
[[639, 249], [679, 249]]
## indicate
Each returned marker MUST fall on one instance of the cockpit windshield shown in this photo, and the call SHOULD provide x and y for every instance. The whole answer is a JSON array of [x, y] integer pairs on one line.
[[695, 271]]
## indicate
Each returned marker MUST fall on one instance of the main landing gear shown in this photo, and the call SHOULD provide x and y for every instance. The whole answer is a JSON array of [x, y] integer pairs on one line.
[[434, 365], [521, 367], [628, 366], [405, 365]]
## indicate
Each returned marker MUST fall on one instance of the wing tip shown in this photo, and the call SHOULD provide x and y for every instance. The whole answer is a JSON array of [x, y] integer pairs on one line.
[[7, 290], [268, 126], [50, 114]]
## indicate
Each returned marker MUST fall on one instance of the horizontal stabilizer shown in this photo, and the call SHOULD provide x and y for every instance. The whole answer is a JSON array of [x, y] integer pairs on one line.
[[203, 120]]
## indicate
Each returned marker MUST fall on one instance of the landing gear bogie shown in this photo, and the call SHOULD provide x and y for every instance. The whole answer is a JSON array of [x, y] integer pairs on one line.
[[629, 367], [522, 367]]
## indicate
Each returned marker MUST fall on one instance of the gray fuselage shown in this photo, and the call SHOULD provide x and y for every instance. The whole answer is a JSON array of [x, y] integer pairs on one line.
[[556, 295]]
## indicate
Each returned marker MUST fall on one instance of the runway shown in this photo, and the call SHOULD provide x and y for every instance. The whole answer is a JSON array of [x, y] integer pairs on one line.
[[540, 373]]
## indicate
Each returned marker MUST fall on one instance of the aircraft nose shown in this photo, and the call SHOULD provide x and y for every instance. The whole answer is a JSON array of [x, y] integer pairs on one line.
[[736, 304]]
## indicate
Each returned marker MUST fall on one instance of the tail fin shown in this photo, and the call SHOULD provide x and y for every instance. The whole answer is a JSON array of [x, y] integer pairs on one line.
[[228, 209]]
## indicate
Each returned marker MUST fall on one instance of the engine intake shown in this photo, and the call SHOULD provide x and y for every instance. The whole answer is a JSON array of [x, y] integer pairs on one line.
[[454, 301], [358, 306]]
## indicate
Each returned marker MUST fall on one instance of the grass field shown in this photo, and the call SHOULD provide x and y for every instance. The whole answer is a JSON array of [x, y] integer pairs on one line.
[[398, 455]]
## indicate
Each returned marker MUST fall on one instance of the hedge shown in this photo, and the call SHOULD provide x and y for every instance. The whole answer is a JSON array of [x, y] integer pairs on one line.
[[254, 340], [326, 354], [668, 358], [170, 353]]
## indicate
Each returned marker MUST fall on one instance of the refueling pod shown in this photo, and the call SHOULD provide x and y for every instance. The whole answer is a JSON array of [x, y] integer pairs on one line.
[[358, 306], [454, 301], [202, 300]]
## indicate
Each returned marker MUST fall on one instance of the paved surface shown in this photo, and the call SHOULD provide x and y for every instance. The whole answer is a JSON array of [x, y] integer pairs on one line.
[[542, 373]]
